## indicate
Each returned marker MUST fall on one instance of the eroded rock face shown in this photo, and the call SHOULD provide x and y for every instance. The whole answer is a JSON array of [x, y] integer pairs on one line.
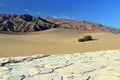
[[102, 65], [23, 23]]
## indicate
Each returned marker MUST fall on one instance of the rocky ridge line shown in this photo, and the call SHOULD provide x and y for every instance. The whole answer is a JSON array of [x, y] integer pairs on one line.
[[12, 23], [81, 25]]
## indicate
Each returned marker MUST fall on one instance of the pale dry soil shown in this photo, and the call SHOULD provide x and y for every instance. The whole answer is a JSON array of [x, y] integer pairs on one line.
[[100, 65], [56, 41]]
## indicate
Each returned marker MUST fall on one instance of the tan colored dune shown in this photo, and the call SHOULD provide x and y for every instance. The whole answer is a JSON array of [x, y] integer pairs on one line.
[[56, 41]]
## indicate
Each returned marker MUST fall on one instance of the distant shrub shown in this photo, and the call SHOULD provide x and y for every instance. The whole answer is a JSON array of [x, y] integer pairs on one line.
[[85, 38], [81, 40]]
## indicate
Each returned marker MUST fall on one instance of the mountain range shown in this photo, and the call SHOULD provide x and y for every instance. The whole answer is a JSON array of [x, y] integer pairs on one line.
[[13, 23]]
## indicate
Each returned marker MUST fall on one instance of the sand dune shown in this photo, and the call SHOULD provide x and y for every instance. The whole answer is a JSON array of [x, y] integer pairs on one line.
[[55, 41]]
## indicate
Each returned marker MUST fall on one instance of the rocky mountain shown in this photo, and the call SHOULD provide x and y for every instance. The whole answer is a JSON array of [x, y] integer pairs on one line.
[[12, 23], [23, 23], [80, 25]]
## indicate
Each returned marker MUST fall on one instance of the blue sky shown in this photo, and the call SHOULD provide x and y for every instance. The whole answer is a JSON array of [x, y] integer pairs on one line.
[[106, 12]]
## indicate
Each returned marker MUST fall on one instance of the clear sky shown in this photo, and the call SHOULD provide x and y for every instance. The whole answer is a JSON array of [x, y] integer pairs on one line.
[[106, 12]]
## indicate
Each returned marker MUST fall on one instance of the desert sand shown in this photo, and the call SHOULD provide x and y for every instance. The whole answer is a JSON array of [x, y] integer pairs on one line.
[[56, 41], [56, 54]]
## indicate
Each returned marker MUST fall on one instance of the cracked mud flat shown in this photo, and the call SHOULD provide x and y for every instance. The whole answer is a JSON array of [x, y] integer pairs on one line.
[[101, 65]]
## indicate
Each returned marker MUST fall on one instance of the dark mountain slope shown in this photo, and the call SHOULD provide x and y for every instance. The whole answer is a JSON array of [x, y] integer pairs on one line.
[[23, 23]]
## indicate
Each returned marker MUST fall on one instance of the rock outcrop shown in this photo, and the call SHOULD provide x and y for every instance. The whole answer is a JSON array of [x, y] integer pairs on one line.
[[23, 23], [101, 65]]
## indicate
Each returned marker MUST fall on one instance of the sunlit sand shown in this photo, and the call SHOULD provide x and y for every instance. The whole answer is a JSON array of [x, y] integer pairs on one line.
[[56, 41]]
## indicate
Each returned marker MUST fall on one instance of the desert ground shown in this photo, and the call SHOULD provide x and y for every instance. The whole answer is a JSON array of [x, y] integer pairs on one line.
[[56, 41], [56, 54], [100, 65]]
